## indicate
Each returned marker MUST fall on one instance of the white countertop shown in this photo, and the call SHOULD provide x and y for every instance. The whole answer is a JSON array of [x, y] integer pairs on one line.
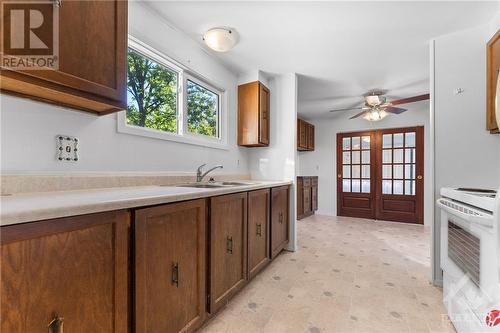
[[42, 206]]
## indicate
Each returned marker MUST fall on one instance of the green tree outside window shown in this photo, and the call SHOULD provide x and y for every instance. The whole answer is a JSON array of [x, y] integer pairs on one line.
[[152, 95]]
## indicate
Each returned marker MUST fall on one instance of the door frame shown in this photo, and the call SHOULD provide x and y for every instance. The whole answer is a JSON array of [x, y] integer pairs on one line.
[[376, 181]]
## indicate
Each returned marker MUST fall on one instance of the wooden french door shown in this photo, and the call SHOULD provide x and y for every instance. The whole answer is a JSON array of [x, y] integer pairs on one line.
[[380, 174]]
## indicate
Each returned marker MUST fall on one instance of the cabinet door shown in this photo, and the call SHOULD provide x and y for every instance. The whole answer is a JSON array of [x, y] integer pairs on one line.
[[314, 197], [300, 197], [310, 137], [264, 114], [279, 219], [302, 135], [170, 267], [69, 272], [228, 247], [307, 199], [258, 230], [92, 59], [310, 141], [493, 66]]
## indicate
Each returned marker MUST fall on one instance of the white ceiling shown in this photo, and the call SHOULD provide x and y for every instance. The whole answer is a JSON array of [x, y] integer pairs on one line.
[[341, 50]]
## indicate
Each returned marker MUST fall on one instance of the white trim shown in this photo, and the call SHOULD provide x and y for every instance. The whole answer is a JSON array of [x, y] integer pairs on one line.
[[221, 137], [436, 273], [182, 135]]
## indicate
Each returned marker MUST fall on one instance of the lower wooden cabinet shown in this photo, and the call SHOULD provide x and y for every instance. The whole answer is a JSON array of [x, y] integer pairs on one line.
[[170, 267], [307, 196], [72, 274], [279, 219], [258, 231], [68, 273], [228, 247]]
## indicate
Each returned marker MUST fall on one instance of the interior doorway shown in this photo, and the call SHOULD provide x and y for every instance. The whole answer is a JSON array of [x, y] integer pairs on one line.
[[380, 174]]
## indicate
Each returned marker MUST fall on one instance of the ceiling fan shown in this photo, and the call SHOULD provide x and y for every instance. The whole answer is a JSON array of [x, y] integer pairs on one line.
[[376, 106]]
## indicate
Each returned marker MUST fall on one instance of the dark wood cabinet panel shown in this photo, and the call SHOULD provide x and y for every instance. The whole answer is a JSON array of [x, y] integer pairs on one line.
[[228, 247], [307, 196], [258, 230], [264, 102], [493, 67], [170, 267], [279, 219], [92, 71], [314, 197], [305, 136], [253, 115], [301, 135], [69, 271], [300, 197]]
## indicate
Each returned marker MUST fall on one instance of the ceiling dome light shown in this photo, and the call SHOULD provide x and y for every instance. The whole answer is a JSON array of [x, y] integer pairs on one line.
[[220, 39], [375, 115]]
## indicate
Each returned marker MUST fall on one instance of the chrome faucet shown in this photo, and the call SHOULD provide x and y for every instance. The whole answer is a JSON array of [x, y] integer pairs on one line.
[[200, 174]]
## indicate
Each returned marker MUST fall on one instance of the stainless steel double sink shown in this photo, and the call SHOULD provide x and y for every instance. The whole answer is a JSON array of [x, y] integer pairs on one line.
[[215, 184]]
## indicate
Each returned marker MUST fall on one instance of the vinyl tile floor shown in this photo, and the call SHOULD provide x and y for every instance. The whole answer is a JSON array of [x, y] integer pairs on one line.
[[347, 275]]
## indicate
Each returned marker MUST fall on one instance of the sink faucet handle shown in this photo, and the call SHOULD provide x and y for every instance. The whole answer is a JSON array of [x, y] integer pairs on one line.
[[201, 167]]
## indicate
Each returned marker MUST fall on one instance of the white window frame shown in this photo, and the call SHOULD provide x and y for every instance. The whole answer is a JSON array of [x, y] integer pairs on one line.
[[183, 74]]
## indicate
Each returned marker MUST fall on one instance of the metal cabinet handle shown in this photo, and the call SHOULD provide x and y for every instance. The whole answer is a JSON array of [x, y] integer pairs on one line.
[[175, 274], [229, 245], [281, 218], [259, 230], [56, 325]]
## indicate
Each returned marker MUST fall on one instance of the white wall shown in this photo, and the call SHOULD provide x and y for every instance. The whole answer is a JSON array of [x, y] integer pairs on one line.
[[322, 161], [278, 161], [465, 153], [28, 128]]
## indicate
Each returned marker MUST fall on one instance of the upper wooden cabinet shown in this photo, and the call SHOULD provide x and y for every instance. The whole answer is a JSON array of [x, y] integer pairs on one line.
[[228, 248], [170, 267], [69, 273], [305, 136], [493, 67], [253, 115], [92, 74]]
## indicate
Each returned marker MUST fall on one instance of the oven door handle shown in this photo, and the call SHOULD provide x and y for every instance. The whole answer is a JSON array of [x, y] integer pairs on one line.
[[483, 221]]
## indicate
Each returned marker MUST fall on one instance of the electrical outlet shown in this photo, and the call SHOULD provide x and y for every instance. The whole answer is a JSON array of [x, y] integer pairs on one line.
[[66, 148]]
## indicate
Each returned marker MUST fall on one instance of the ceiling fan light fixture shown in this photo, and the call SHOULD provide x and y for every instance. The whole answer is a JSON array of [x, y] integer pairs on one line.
[[220, 39], [375, 115]]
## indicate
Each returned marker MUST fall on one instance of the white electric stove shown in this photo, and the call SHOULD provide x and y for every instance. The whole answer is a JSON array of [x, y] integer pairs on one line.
[[470, 258]]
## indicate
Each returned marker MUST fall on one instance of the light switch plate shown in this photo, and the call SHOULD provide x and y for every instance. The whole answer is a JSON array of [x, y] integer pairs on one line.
[[66, 148]]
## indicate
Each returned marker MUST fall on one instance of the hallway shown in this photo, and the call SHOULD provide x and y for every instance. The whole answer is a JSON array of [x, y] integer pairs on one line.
[[348, 275]]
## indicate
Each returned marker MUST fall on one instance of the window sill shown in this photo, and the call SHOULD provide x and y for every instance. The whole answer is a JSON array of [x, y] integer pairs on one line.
[[186, 139]]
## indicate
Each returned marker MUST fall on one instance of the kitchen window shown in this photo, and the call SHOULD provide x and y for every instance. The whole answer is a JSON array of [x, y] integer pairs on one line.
[[165, 100]]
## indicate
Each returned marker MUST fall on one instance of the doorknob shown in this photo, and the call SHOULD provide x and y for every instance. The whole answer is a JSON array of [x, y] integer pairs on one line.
[[419, 177]]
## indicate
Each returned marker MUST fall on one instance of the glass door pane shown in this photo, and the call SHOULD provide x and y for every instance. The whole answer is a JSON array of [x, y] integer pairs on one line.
[[356, 176]]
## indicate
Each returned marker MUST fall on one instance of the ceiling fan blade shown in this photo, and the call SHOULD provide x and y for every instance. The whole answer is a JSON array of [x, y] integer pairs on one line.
[[394, 110], [358, 115], [410, 99], [337, 110]]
